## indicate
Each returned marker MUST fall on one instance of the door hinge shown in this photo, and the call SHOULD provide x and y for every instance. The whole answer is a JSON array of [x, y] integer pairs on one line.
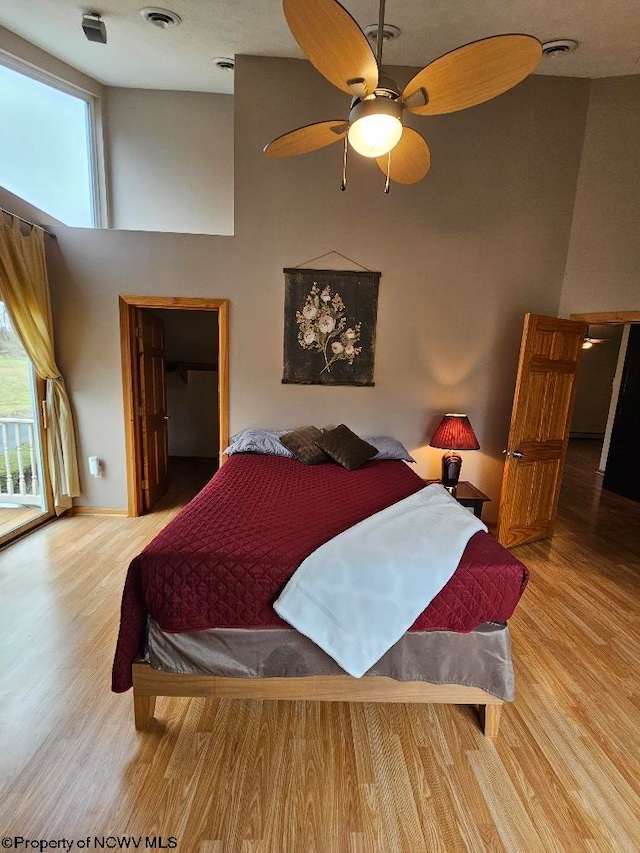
[[145, 485], [141, 411], [138, 331]]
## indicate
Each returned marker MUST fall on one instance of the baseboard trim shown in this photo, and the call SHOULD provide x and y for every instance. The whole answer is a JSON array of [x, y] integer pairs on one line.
[[99, 510]]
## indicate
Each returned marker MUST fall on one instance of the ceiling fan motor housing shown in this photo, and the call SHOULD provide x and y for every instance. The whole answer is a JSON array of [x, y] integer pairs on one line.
[[378, 105]]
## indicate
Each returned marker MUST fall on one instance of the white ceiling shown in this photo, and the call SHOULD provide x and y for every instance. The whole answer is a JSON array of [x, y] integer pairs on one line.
[[140, 55]]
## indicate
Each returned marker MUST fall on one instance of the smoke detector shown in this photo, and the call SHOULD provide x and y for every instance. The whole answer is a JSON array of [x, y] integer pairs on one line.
[[162, 18], [389, 33], [225, 63], [559, 47]]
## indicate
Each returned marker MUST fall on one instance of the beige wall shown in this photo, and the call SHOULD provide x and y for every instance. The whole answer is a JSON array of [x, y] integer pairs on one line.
[[463, 256], [87, 270], [22, 208], [12, 46], [603, 264], [170, 158]]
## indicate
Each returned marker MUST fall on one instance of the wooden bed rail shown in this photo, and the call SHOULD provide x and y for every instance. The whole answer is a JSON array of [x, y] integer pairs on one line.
[[149, 683]]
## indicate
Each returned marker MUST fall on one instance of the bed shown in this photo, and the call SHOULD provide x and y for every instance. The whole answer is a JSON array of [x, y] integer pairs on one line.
[[197, 614]]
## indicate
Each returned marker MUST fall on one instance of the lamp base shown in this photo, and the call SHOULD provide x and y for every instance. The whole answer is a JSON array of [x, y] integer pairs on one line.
[[451, 467]]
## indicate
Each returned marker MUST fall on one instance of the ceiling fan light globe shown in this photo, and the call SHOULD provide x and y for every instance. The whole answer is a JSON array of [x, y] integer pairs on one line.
[[376, 134]]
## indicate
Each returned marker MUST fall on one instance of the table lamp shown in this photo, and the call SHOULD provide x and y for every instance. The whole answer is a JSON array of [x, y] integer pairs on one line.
[[454, 433]]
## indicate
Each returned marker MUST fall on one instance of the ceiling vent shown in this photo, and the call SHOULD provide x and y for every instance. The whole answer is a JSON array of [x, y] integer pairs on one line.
[[162, 18], [94, 27], [225, 63], [389, 33], [559, 47]]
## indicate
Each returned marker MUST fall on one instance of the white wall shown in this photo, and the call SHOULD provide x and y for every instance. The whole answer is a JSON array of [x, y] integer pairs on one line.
[[170, 157], [603, 264], [463, 255]]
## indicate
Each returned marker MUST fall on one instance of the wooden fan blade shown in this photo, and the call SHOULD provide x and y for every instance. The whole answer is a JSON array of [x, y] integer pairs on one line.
[[333, 42], [307, 138], [410, 159], [474, 73]]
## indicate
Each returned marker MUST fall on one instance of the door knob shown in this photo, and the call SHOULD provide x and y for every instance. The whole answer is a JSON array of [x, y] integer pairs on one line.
[[167, 417], [518, 455], [506, 453]]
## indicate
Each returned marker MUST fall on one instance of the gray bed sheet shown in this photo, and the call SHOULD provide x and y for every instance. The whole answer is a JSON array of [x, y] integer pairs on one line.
[[481, 658]]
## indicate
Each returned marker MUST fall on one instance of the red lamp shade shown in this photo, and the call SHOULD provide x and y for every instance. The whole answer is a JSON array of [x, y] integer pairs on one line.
[[455, 433]]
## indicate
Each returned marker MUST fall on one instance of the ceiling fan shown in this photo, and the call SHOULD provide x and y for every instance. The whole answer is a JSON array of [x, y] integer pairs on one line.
[[590, 341], [334, 43]]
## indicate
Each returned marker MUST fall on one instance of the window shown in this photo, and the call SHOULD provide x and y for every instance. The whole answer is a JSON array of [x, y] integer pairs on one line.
[[46, 148]]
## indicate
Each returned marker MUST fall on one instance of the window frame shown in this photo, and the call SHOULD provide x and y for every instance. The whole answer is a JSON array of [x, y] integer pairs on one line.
[[97, 177]]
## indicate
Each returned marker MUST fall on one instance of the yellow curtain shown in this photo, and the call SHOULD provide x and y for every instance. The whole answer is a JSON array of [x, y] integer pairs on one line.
[[24, 289]]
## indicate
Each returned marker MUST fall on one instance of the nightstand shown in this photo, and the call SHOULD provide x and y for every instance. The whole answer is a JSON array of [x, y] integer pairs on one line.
[[467, 495]]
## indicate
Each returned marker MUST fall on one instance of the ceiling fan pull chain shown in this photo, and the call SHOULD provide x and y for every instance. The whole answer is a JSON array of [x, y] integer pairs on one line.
[[386, 183], [343, 184]]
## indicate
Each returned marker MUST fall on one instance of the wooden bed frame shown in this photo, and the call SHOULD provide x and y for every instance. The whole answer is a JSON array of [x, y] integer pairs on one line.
[[149, 683]]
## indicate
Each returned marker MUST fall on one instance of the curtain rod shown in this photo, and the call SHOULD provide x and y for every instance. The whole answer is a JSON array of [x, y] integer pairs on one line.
[[28, 222]]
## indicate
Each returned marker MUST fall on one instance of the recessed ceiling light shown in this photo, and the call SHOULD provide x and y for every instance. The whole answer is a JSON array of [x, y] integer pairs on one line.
[[558, 47], [162, 18], [225, 63], [389, 32]]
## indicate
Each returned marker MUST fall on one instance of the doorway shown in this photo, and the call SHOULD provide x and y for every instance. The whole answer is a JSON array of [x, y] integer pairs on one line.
[[600, 457], [538, 439], [596, 395], [175, 381]]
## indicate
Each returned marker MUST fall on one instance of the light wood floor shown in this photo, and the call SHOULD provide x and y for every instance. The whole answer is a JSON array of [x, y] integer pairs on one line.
[[224, 776], [12, 517]]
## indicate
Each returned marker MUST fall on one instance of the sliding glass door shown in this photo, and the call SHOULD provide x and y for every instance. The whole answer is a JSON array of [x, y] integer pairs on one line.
[[24, 485]]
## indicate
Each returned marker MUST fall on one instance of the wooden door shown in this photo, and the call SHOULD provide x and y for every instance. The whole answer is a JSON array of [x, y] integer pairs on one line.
[[153, 417], [540, 420]]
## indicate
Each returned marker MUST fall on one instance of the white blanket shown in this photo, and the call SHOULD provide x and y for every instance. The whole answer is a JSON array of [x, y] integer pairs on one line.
[[357, 594]]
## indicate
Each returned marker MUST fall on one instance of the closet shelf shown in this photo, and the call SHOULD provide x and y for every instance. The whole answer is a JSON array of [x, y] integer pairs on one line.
[[183, 368]]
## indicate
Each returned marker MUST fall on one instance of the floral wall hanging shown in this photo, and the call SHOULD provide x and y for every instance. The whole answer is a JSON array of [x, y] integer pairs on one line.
[[330, 326]]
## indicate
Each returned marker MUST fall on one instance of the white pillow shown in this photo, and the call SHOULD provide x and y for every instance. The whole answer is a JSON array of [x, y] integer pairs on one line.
[[388, 448], [266, 441]]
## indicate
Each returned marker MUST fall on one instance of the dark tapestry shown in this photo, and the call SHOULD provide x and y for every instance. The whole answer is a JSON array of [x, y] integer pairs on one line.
[[330, 326]]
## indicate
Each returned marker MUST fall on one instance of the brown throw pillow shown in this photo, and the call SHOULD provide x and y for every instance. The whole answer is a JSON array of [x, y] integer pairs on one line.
[[345, 447], [301, 442]]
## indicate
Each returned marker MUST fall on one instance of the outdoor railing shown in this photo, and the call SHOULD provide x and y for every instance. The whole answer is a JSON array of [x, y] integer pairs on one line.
[[20, 477]]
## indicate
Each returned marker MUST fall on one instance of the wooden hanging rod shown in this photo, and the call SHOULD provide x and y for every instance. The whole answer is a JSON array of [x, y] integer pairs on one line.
[[28, 222]]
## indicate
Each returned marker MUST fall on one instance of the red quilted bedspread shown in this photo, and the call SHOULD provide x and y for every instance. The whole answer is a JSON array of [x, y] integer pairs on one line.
[[225, 558]]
